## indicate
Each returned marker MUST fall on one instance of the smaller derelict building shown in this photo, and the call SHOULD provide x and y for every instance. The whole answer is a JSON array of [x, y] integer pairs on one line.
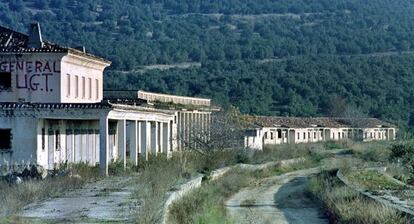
[[270, 130]]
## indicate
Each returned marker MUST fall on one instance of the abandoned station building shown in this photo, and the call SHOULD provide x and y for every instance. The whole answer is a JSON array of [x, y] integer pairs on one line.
[[53, 109], [283, 130]]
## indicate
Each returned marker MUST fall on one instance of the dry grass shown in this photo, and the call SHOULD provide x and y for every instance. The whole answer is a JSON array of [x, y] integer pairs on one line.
[[15, 197], [160, 175], [376, 151], [284, 151], [373, 180], [206, 204], [344, 205]]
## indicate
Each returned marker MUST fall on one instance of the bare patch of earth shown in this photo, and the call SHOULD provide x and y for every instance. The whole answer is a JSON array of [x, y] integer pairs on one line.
[[163, 67], [107, 200], [279, 199]]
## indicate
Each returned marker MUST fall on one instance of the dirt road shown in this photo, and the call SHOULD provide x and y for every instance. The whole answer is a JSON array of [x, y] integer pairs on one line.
[[279, 199]]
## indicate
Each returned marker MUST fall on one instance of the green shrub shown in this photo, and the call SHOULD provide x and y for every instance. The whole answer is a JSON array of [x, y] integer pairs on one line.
[[332, 145], [403, 153]]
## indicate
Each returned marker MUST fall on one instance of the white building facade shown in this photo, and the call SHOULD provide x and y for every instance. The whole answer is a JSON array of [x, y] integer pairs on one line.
[[295, 130], [52, 109]]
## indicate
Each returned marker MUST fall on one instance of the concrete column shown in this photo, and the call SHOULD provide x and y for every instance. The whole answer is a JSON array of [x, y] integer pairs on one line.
[[190, 128], [160, 133], [121, 126], [145, 135], [139, 138], [180, 130], [134, 143], [288, 136], [208, 126], [164, 137], [183, 134], [202, 127], [168, 137], [154, 137], [103, 146], [173, 136], [178, 126], [323, 134]]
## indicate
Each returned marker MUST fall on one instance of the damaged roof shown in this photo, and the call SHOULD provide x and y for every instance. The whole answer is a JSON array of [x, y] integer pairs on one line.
[[15, 42], [308, 122]]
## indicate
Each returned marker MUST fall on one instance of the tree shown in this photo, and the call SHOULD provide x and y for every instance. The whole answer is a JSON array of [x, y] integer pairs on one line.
[[16, 5], [225, 132]]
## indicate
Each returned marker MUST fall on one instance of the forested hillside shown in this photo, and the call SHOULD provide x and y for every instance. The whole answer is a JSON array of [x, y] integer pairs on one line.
[[276, 57]]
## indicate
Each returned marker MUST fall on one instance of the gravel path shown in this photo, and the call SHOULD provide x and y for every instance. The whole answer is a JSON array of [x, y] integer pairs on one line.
[[101, 201], [279, 199]]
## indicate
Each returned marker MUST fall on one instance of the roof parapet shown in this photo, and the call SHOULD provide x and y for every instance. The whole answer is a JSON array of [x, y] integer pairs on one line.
[[165, 98]]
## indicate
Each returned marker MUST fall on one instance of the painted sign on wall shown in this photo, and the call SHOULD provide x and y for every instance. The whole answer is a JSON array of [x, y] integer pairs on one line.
[[32, 75]]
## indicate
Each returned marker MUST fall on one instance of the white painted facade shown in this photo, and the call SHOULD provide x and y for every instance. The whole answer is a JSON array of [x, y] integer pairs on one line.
[[81, 79], [52, 111], [254, 139], [52, 78], [279, 134]]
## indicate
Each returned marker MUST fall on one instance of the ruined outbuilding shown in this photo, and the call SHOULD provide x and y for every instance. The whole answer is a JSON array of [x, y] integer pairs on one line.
[[267, 130]]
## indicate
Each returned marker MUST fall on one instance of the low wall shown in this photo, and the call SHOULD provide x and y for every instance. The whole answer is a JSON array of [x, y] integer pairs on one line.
[[195, 183], [372, 196]]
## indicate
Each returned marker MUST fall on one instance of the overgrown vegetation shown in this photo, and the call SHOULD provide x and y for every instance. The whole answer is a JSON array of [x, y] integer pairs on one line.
[[344, 205], [206, 204], [14, 197], [160, 175], [374, 152], [373, 180]]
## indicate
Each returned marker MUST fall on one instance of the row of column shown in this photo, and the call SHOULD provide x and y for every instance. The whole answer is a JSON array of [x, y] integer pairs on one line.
[[292, 135], [192, 127], [145, 137]]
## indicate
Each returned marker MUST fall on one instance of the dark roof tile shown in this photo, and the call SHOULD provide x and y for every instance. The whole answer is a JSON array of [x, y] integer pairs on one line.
[[14, 42], [307, 122]]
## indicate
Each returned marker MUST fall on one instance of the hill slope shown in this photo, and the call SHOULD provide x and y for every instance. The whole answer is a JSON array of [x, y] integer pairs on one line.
[[281, 57]]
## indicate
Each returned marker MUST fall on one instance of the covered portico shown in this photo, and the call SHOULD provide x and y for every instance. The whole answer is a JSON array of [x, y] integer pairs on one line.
[[88, 133], [140, 131]]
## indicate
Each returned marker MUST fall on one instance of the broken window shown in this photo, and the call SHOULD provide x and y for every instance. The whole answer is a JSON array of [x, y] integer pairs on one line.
[[279, 133], [5, 139], [5, 80], [271, 135]]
